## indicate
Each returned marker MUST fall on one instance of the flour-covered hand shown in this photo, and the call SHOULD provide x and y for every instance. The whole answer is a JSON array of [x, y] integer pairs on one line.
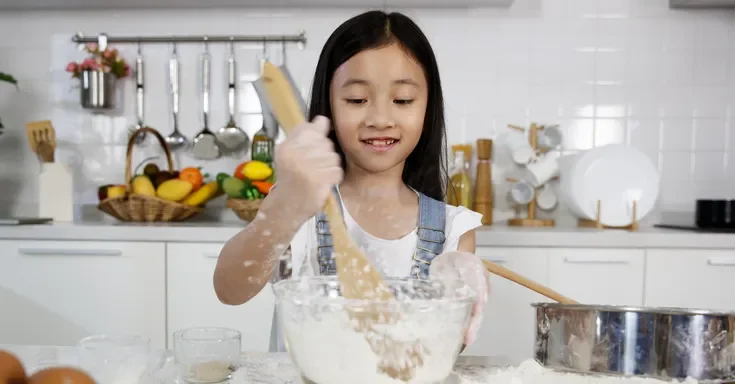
[[457, 269]]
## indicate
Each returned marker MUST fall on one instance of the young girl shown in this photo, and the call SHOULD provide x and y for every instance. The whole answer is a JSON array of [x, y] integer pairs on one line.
[[376, 112]]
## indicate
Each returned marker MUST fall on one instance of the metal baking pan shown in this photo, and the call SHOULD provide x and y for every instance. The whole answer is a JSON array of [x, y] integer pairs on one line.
[[661, 343]]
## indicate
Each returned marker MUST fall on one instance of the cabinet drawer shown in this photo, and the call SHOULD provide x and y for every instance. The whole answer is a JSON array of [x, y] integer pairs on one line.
[[509, 322], [56, 292], [598, 276], [690, 278], [192, 301]]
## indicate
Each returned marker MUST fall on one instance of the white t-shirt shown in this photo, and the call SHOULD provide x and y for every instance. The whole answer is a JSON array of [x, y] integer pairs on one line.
[[392, 258]]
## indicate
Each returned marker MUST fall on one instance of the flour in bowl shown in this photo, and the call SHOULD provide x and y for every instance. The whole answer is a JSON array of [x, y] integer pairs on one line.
[[531, 372], [327, 350]]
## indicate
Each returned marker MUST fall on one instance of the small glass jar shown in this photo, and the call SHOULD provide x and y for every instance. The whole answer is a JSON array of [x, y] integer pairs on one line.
[[207, 355], [115, 359]]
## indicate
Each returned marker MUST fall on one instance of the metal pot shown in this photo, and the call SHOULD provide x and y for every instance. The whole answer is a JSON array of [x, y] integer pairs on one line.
[[98, 90], [663, 343]]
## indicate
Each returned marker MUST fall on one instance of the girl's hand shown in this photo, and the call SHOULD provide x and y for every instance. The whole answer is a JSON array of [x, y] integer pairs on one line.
[[308, 167], [456, 269]]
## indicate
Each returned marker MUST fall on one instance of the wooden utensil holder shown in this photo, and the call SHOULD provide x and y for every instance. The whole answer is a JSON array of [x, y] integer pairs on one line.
[[633, 226], [530, 220]]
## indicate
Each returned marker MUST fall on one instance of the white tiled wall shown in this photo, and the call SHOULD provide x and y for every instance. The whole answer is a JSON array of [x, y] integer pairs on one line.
[[607, 70]]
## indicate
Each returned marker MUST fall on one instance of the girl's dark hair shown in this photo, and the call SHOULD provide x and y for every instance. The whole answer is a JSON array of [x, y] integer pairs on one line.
[[425, 169]]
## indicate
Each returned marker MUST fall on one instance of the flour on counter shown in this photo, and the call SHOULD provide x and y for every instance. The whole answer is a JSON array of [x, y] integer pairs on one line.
[[531, 372]]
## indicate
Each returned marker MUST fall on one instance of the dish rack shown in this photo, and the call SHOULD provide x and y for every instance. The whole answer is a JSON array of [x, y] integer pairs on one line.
[[633, 226]]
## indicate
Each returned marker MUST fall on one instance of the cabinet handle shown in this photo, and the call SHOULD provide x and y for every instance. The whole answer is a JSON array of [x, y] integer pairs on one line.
[[496, 260], [211, 255], [69, 252], [584, 260], [719, 261]]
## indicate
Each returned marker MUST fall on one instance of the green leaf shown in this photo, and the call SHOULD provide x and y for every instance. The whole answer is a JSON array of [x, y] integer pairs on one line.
[[8, 79]]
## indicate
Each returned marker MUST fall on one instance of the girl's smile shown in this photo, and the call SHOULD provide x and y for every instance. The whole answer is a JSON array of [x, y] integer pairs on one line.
[[380, 144]]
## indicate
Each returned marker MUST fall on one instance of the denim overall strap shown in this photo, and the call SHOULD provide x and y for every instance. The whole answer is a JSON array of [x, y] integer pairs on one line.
[[325, 258], [431, 237]]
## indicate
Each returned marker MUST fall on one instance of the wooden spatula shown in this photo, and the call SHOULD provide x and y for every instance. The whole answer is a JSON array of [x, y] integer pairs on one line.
[[42, 139], [526, 282], [357, 276]]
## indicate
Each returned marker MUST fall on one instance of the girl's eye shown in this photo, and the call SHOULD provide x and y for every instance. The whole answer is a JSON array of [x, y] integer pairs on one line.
[[403, 101], [356, 101]]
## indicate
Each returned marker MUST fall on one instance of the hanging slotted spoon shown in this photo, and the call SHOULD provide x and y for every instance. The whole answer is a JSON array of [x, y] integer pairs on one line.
[[139, 100], [175, 141], [357, 276], [206, 146], [232, 139]]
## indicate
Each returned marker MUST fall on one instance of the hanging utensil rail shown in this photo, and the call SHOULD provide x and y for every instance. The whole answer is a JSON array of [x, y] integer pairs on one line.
[[300, 39]]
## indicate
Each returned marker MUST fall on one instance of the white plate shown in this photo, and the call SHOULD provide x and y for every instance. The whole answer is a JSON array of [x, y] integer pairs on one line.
[[566, 168], [616, 175]]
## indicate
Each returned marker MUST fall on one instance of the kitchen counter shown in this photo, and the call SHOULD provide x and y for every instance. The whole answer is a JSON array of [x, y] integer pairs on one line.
[[106, 229], [265, 368]]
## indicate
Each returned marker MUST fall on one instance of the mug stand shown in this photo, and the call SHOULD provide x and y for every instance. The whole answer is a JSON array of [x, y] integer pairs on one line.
[[584, 223], [530, 220]]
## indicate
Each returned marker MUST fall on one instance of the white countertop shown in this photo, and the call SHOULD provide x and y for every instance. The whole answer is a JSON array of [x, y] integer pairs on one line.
[[500, 235], [266, 368]]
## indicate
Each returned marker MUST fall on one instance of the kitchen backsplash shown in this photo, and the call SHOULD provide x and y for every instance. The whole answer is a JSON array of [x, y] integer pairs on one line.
[[607, 71]]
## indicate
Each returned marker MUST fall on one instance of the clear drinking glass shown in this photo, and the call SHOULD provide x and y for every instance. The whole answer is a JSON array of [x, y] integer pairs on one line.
[[114, 359], [207, 355]]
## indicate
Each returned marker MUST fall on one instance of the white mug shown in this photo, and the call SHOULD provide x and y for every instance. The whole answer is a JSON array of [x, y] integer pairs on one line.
[[519, 147], [521, 193], [550, 137], [540, 172], [546, 198]]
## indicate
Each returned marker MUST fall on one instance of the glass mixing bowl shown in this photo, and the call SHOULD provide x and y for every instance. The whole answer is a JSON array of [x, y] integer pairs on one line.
[[319, 327]]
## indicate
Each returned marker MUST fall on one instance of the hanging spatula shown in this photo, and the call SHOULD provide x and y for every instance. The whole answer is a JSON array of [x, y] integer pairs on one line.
[[357, 276]]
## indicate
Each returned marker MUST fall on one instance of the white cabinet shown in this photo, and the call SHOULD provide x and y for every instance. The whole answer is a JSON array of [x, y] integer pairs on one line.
[[598, 276], [508, 327], [690, 278], [56, 292], [192, 301]]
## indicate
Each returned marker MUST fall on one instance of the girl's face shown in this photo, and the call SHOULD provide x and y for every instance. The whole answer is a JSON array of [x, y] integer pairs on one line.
[[378, 100]]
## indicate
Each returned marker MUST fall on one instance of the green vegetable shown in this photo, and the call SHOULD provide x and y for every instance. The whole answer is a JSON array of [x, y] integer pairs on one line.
[[250, 193], [233, 187], [221, 177]]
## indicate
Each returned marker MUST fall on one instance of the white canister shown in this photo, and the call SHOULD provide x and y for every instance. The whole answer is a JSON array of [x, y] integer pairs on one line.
[[56, 192]]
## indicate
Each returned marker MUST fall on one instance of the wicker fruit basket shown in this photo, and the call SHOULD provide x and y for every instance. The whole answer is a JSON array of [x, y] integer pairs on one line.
[[143, 208], [245, 209]]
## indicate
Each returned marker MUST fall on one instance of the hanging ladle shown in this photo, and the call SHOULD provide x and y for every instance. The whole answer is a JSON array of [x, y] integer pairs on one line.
[[232, 139], [175, 141]]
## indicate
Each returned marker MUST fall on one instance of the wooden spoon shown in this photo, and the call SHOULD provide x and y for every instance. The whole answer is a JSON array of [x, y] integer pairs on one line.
[[528, 283], [357, 276]]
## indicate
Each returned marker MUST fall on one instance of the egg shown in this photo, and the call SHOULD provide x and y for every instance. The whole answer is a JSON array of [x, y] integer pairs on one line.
[[11, 369], [60, 375]]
